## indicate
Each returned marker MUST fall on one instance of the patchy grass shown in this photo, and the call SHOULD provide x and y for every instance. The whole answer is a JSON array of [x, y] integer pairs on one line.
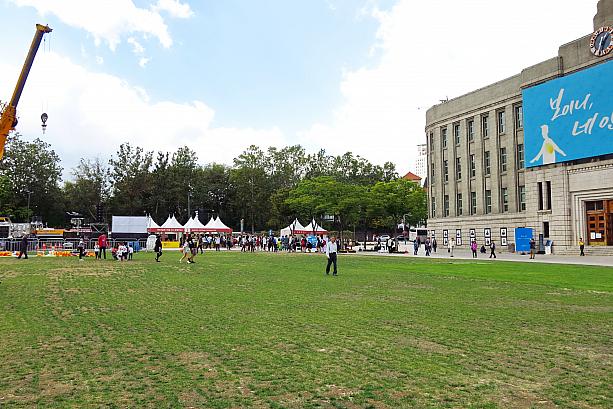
[[272, 331]]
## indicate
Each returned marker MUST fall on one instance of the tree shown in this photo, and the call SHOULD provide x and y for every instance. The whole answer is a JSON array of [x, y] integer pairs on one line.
[[130, 180], [252, 186], [398, 200], [90, 188], [34, 173]]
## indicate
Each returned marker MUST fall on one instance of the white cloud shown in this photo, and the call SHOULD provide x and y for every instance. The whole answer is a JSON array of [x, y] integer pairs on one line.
[[109, 20], [137, 48], [432, 49], [142, 62], [174, 7], [91, 113], [99, 60]]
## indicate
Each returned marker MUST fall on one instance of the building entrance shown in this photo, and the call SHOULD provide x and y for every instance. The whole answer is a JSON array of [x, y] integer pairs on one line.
[[599, 222]]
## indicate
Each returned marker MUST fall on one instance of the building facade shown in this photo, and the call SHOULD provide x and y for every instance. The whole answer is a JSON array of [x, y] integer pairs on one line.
[[493, 167], [421, 163]]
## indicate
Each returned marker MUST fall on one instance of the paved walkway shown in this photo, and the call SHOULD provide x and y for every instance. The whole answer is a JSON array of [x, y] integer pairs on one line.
[[465, 254]]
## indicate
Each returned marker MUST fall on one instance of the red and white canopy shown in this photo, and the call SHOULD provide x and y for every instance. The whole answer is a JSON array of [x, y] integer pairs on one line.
[[171, 225], [215, 225], [294, 228], [313, 227], [193, 225]]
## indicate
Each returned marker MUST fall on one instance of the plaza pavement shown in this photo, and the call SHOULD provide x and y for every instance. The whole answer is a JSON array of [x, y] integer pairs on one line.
[[465, 254]]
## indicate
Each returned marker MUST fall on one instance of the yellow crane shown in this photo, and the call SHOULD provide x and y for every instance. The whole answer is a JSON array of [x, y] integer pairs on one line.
[[8, 115]]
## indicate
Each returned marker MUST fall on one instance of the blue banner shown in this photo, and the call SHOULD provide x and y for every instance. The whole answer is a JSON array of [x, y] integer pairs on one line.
[[522, 239], [570, 117]]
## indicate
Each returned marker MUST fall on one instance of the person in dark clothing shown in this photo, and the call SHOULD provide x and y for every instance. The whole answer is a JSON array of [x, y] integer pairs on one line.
[[581, 246], [532, 248], [434, 244], [493, 249], [23, 247], [158, 249]]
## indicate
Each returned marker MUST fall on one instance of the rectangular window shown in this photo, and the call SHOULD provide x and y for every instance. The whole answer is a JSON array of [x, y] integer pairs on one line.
[[540, 198], [473, 166], [505, 199], [444, 137], [471, 130], [519, 117], [473, 202], [488, 201], [501, 122], [503, 159], [433, 204], [485, 131], [487, 162], [548, 191], [446, 171], [520, 156], [546, 229], [458, 168], [446, 205], [456, 133], [522, 198], [432, 173], [431, 141], [458, 204]]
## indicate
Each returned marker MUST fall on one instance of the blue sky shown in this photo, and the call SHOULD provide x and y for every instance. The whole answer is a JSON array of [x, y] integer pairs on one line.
[[342, 75]]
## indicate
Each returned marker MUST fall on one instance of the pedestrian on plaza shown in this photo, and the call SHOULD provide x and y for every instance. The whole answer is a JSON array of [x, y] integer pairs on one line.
[[81, 249], [473, 248], [102, 243], [492, 249], [434, 244], [23, 247], [532, 248], [415, 246], [331, 250], [450, 247], [581, 246], [428, 247], [158, 249]]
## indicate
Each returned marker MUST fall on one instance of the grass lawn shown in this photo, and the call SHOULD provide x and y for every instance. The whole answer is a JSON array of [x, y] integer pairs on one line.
[[241, 330]]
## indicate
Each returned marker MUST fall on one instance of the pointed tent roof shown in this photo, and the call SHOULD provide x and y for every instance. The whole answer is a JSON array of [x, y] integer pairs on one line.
[[171, 225], [194, 225], [314, 227], [294, 227], [152, 226], [221, 227]]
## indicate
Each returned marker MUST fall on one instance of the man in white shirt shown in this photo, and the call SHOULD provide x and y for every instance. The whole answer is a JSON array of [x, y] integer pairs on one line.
[[331, 249]]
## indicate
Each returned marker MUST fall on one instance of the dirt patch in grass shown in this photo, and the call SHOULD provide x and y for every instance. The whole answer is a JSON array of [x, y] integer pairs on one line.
[[199, 362]]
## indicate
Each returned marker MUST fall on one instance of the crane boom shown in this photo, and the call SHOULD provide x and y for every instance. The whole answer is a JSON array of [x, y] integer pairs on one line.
[[8, 117]]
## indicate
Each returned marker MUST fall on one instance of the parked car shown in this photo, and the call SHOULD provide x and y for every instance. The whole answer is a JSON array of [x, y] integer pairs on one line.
[[384, 237]]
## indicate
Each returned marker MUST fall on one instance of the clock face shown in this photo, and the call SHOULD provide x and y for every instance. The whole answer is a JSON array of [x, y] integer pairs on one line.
[[601, 42]]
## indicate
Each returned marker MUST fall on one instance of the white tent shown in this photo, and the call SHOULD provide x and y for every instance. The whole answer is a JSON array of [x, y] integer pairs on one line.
[[215, 225], [294, 228], [152, 226], [313, 227], [193, 225], [171, 225]]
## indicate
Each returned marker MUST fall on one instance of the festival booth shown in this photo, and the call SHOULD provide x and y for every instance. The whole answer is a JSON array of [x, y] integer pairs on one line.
[[316, 229], [295, 228], [215, 225], [194, 225], [171, 231]]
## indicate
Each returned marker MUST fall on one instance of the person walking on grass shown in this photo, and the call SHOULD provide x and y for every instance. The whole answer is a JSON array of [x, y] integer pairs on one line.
[[81, 249], [473, 248], [185, 251], [158, 249], [331, 250], [492, 249], [532, 248], [581, 246], [23, 247]]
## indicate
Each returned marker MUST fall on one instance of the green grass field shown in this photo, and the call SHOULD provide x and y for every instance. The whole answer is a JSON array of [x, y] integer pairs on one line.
[[242, 330]]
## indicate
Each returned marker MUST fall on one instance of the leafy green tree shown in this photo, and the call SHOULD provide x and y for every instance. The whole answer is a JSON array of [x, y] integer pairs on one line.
[[91, 187], [252, 186], [34, 173], [130, 180], [398, 200]]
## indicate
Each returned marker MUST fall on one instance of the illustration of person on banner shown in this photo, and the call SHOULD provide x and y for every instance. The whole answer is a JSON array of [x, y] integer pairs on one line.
[[549, 148]]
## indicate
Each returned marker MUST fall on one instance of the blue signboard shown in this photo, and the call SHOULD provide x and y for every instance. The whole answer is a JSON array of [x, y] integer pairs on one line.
[[522, 239], [570, 117]]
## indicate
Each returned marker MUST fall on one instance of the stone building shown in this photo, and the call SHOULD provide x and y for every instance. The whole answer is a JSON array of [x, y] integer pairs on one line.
[[484, 176]]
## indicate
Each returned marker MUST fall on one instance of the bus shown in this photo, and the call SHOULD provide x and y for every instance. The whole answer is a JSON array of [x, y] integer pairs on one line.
[[418, 233]]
